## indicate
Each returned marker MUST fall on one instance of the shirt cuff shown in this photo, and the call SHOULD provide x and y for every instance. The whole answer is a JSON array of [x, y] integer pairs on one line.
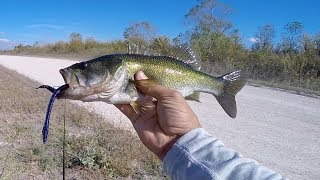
[[175, 156]]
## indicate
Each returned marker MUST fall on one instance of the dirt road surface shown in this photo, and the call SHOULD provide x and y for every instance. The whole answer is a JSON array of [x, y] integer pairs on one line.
[[279, 129]]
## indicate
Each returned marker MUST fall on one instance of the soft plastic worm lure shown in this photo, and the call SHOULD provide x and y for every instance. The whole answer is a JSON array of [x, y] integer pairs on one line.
[[55, 93]]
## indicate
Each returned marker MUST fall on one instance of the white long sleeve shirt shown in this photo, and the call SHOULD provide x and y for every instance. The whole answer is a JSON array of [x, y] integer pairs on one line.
[[197, 155]]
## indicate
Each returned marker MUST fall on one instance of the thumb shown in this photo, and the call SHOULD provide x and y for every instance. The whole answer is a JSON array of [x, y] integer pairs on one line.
[[140, 76], [150, 88]]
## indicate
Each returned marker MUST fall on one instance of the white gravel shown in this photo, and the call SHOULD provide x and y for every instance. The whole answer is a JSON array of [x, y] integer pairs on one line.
[[278, 129]]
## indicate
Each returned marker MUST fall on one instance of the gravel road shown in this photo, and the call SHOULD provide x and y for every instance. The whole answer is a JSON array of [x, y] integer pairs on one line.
[[277, 128]]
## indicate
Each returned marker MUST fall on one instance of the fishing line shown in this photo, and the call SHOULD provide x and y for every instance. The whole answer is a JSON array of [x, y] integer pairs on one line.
[[45, 129], [64, 142]]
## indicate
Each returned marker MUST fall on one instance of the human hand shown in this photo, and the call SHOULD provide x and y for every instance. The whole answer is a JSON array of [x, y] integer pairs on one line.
[[163, 121]]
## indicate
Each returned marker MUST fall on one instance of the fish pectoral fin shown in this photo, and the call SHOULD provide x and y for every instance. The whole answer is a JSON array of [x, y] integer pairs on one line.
[[193, 97], [135, 107], [140, 108]]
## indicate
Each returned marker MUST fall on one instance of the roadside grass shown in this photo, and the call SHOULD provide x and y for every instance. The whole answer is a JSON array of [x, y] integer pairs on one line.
[[72, 50], [94, 148]]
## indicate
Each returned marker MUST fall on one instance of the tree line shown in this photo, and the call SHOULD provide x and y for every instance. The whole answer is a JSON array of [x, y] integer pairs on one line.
[[292, 60]]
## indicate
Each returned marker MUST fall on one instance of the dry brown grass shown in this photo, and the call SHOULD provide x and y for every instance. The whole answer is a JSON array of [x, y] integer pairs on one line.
[[94, 150]]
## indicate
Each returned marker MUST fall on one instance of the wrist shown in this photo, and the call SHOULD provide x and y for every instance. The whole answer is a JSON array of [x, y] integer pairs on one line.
[[170, 143], [167, 147]]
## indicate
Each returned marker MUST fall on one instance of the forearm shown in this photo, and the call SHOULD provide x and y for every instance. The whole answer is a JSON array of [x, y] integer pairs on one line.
[[198, 155]]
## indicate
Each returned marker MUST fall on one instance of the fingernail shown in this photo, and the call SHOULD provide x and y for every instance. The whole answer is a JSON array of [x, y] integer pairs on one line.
[[140, 76]]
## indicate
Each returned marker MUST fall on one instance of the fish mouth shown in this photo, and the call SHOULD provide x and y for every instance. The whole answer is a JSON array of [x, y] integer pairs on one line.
[[69, 77], [65, 73], [71, 80], [75, 90]]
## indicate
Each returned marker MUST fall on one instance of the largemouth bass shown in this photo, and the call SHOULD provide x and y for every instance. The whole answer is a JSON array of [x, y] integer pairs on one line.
[[110, 78]]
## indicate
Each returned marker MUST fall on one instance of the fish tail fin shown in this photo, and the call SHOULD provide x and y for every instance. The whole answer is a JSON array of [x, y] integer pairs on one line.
[[232, 83]]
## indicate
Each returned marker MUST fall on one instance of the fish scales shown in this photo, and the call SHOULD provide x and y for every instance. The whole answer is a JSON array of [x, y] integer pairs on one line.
[[172, 73]]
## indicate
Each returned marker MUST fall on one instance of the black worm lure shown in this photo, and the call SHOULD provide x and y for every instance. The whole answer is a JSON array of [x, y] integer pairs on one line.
[[51, 89], [55, 93]]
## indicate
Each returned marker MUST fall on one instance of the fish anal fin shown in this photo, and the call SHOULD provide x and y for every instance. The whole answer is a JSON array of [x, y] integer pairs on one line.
[[195, 96]]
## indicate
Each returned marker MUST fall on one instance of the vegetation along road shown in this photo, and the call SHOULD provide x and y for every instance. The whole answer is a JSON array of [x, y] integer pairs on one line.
[[277, 128]]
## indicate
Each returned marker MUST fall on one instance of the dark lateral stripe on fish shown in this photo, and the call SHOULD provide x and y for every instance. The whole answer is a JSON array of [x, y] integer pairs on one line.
[[45, 129]]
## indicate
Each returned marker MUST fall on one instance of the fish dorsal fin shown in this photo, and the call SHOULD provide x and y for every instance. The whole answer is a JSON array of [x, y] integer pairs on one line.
[[187, 55], [181, 52], [135, 49]]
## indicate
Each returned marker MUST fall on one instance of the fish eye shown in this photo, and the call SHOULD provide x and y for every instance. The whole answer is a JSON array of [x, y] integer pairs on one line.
[[83, 65]]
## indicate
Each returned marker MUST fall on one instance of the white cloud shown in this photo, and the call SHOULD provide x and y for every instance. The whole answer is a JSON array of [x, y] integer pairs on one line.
[[44, 26], [1, 33], [254, 39], [3, 40], [6, 44]]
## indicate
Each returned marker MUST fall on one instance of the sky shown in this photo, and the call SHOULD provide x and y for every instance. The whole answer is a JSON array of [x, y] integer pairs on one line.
[[48, 21]]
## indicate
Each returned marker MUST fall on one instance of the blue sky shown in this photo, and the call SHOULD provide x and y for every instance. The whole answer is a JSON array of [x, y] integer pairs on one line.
[[48, 21]]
